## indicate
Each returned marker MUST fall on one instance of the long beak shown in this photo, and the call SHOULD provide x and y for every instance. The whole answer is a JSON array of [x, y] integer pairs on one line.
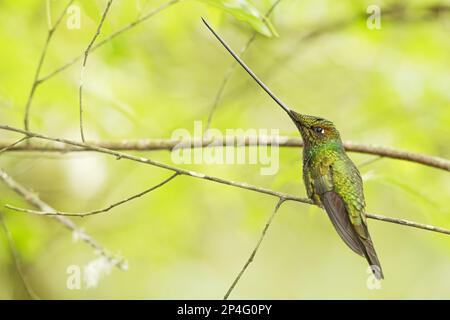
[[252, 74]]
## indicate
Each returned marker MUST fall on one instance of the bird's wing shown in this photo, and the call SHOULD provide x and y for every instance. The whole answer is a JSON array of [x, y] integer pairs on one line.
[[348, 219], [338, 215], [336, 209]]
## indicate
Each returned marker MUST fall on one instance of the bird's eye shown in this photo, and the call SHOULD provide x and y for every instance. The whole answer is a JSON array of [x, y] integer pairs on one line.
[[318, 130]]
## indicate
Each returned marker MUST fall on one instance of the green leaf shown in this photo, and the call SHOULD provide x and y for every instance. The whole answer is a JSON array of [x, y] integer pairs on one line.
[[91, 9], [244, 10], [94, 10]]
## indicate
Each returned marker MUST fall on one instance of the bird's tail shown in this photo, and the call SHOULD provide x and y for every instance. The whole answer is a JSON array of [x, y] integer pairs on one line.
[[372, 258]]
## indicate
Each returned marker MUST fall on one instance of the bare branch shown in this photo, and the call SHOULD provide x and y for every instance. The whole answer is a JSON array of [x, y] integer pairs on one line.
[[408, 223], [148, 161], [431, 161], [36, 80], [90, 213], [111, 37], [232, 67], [198, 175], [169, 144], [12, 145], [252, 255], [16, 259], [35, 201], [83, 67]]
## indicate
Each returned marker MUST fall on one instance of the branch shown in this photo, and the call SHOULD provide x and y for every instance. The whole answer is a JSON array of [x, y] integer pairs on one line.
[[252, 255], [83, 67], [370, 161], [12, 145], [387, 152], [36, 80], [120, 155], [16, 259], [198, 175], [248, 141], [35, 201], [232, 67], [110, 37], [91, 213], [408, 223]]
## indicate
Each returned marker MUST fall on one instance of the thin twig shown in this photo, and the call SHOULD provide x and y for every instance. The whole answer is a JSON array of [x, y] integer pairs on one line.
[[83, 67], [90, 213], [408, 223], [198, 175], [110, 37], [121, 155], [12, 145], [36, 80], [49, 14], [252, 255], [244, 141], [387, 152], [16, 259], [231, 69], [35, 201], [370, 161]]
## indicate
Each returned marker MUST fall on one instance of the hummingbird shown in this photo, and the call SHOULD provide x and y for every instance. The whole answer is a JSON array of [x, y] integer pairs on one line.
[[332, 180]]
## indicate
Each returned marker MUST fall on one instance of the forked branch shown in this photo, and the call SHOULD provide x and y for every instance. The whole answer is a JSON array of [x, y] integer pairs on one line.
[[83, 67], [94, 212], [253, 254], [36, 80]]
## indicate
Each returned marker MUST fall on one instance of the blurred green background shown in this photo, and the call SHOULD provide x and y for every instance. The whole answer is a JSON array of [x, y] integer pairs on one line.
[[190, 238]]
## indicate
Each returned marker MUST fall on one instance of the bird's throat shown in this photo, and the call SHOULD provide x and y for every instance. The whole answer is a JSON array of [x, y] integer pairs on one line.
[[312, 151]]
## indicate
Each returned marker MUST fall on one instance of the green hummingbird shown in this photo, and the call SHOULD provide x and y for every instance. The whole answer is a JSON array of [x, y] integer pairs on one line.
[[331, 179]]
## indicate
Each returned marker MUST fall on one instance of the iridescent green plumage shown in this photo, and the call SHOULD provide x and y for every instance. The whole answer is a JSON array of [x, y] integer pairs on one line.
[[332, 180]]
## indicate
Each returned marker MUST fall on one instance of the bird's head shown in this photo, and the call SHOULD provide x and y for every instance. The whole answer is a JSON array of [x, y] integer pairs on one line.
[[315, 130]]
